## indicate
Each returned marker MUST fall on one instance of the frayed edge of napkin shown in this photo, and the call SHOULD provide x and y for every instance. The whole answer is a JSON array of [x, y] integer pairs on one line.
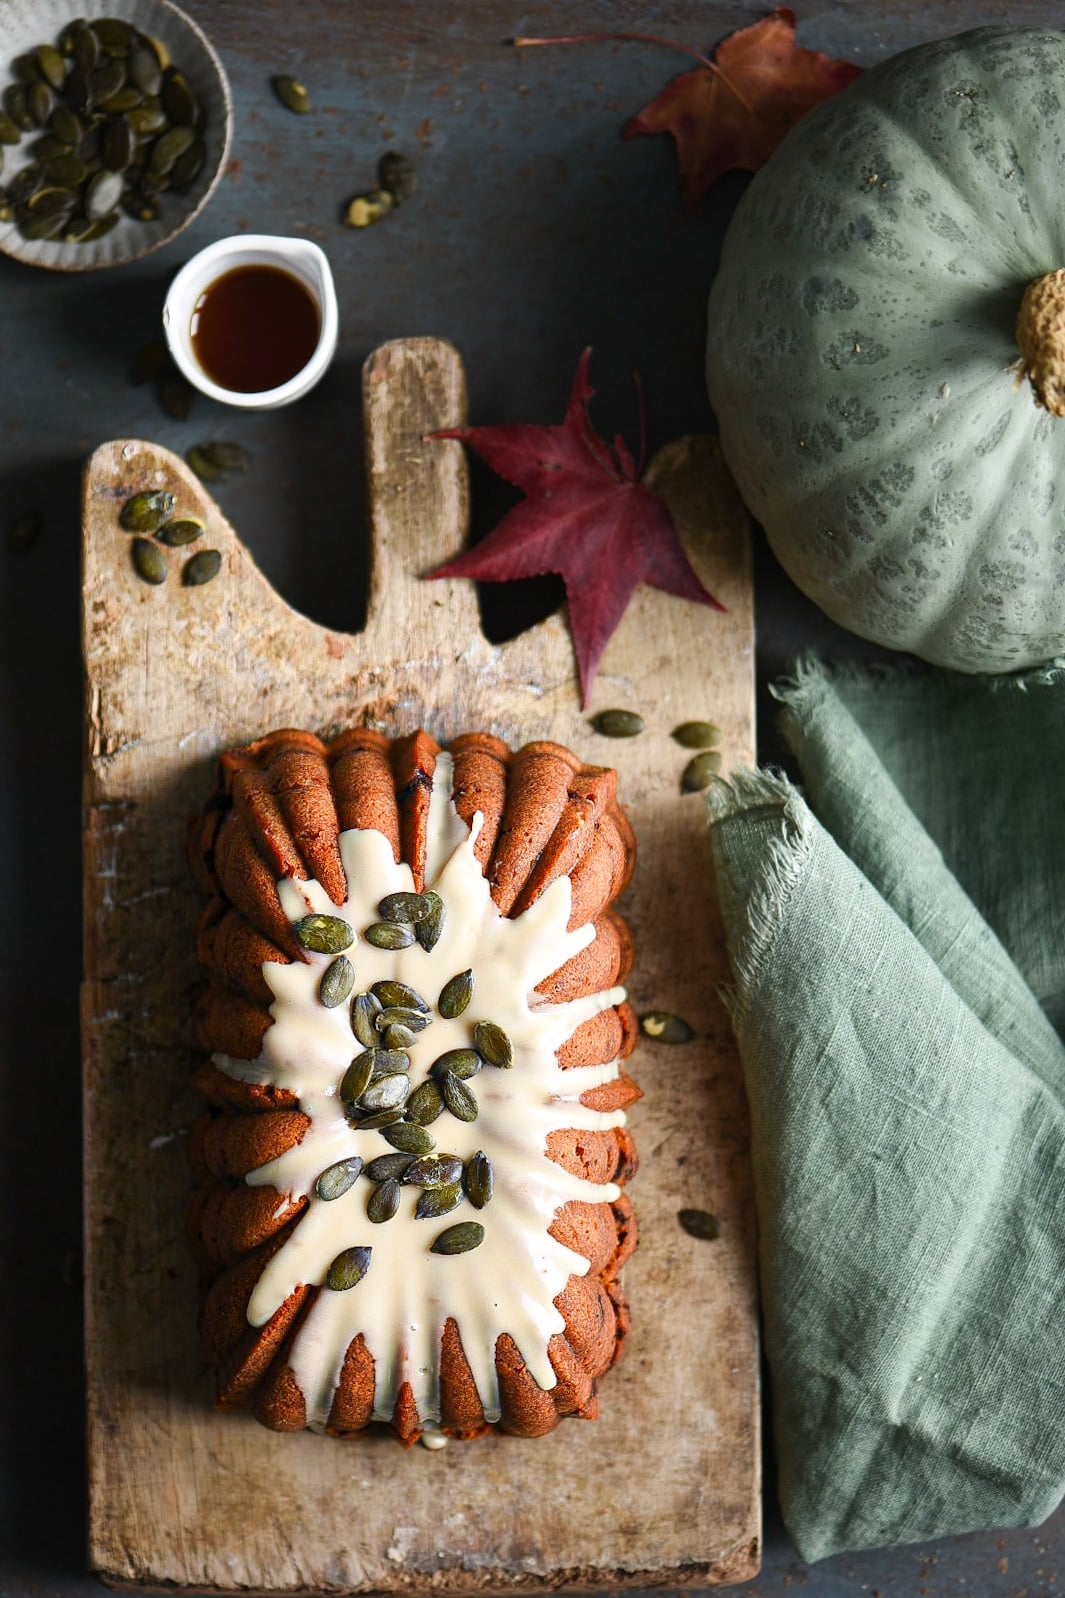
[[810, 676], [782, 866]]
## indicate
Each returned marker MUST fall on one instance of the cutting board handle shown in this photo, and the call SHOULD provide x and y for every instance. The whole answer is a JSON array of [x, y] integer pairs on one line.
[[411, 388]]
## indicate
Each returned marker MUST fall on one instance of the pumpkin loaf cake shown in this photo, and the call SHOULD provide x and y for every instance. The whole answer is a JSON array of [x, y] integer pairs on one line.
[[410, 1202]]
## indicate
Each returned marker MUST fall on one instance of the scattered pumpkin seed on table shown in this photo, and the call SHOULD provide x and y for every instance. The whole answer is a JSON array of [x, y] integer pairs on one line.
[[700, 771], [292, 93], [146, 512], [366, 209], [396, 175], [664, 1027], [617, 723], [176, 397], [178, 533], [696, 734], [699, 1223], [203, 466]]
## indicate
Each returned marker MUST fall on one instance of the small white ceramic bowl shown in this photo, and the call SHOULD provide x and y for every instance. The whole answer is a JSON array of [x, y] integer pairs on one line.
[[302, 260], [27, 23]]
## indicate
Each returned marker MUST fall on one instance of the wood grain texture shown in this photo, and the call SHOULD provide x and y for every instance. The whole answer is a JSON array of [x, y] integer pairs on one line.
[[664, 1488]]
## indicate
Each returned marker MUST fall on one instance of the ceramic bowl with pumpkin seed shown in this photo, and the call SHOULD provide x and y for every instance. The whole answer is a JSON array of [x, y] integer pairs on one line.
[[115, 122]]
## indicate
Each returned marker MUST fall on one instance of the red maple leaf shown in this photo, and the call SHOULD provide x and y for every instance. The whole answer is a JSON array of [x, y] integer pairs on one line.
[[586, 515], [732, 111]]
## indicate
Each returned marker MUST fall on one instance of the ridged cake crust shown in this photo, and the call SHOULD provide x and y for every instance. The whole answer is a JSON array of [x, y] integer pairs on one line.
[[281, 807]]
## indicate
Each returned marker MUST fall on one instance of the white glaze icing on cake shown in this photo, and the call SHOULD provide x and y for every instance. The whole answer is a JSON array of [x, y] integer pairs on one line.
[[508, 1283]]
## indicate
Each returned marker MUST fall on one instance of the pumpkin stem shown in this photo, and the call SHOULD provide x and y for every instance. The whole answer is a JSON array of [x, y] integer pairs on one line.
[[1041, 336]]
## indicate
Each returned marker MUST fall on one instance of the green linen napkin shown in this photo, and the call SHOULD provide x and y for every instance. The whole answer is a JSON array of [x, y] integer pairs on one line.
[[898, 948]]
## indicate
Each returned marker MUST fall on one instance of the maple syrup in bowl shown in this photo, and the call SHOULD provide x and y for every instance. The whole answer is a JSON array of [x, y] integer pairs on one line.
[[252, 321]]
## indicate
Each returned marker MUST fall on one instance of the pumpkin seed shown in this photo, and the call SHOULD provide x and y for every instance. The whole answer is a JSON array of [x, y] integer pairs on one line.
[[428, 931], [103, 194], [437, 1201], [397, 1037], [699, 1223], [401, 1015], [404, 907], [51, 66], [459, 1239], [139, 206], [176, 397], [149, 562], [455, 996], [389, 935], [125, 99], [98, 230], [9, 130], [389, 1167], [383, 1202], [366, 209], [66, 125], [201, 567], [425, 1105], [458, 1097], [176, 534], [292, 93], [462, 1063], [178, 100], [167, 147], [39, 103], [617, 723], [81, 43], [493, 1044], [478, 1179], [348, 1269], [410, 1138], [226, 456], [700, 772], [24, 531], [378, 1120], [116, 38], [356, 1078], [385, 1093], [117, 145], [51, 201], [205, 471], [147, 119], [144, 69], [433, 1170], [336, 1179], [162, 54], [7, 210], [398, 994], [664, 1027], [66, 171], [387, 1062], [338, 979], [323, 934], [363, 1011], [146, 512], [78, 90], [149, 362], [24, 184], [105, 80], [395, 173], [25, 69], [43, 227], [16, 108]]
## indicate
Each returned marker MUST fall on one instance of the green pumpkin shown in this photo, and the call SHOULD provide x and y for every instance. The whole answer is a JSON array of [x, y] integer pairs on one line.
[[863, 355]]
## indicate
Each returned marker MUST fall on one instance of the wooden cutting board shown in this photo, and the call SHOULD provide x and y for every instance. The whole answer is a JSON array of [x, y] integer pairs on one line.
[[664, 1487]]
